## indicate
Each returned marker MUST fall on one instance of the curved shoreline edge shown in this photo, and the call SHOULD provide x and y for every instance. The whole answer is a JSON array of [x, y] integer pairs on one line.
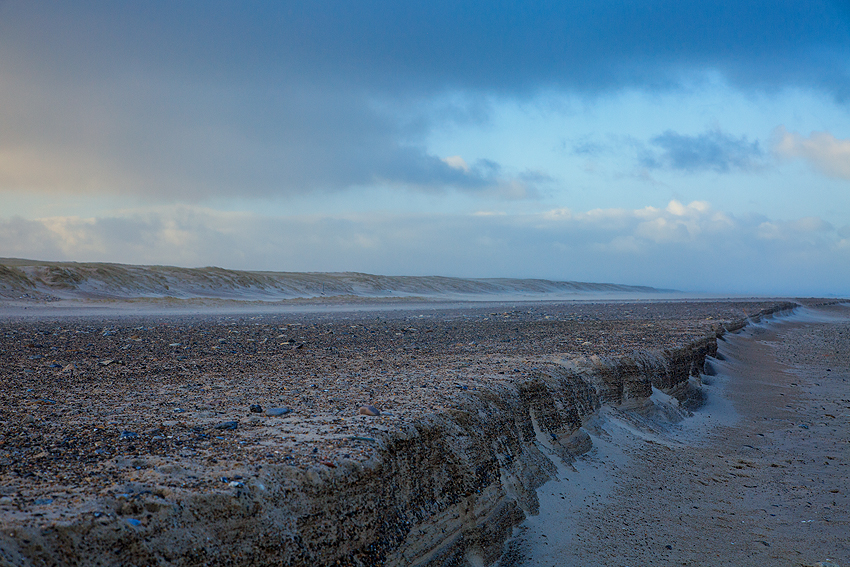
[[444, 490]]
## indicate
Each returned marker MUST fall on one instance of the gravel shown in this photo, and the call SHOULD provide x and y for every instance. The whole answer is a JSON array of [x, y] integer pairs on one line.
[[90, 405]]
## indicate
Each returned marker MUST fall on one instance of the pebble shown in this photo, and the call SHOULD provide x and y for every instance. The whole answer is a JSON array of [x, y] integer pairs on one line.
[[256, 408], [134, 522], [227, 425], [129, 435], [278, 411], [369, 410]]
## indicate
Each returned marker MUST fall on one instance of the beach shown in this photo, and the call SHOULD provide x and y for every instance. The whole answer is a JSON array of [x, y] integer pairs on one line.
[[203, 438], [757, 476]]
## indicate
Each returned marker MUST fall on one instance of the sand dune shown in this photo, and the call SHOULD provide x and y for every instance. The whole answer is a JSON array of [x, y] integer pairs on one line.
[[30, 279]]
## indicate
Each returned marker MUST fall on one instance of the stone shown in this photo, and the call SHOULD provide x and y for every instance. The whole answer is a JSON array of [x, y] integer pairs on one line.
[[227, 425], [275, 412], [369, 410], [256, 408]]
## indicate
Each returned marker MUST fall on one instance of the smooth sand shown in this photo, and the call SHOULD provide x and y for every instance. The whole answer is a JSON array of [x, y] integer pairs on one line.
[[759, 475]]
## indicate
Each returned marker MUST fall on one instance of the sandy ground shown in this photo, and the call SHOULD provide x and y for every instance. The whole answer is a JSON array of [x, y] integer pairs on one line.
[[758, 476], [100, 408]]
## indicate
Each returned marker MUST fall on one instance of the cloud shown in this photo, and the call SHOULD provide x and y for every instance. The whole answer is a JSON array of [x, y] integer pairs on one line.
[[687, 246], [823, 151], [709, 151], [468, 44], [207, 144], [457, 162], [187, 100]]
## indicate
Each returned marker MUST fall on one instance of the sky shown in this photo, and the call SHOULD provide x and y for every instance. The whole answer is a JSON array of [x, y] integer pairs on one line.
[[687, 144]]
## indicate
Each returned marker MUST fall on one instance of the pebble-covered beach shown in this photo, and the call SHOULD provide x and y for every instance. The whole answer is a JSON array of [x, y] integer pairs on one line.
[[92, 405]]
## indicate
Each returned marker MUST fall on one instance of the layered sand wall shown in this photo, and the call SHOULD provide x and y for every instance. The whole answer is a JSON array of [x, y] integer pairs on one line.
[[446, 489]]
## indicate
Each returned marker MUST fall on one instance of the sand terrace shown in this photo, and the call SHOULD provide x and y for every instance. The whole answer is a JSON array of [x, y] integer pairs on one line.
[[88, 405]]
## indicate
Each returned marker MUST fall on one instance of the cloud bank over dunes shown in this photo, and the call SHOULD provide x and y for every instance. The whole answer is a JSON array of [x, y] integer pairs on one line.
[[679, 244]]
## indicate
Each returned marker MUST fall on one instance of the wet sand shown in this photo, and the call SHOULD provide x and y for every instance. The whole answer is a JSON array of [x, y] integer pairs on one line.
[[759, 476]]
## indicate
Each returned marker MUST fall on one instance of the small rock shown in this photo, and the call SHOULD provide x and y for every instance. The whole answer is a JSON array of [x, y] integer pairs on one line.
[[129, 435], [235, 484], [134, 522], [369, 410], [278, 411], [106, 362], [256, 408], [227, 425]]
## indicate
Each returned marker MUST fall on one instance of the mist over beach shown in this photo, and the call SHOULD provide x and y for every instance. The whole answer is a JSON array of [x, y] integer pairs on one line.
[[424, 283]]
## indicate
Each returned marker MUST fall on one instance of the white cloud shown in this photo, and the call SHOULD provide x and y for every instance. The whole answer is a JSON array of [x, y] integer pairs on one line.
[[823, 151], [801, 229], [457, 162]]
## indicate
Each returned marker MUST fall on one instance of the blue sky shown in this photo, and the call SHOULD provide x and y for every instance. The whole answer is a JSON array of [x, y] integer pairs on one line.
[[698, 145]]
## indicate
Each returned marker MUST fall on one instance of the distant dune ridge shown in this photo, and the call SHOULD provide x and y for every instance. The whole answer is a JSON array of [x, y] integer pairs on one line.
[[32, 279]]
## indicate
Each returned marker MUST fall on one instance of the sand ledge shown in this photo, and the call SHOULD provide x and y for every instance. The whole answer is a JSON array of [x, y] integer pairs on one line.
[[444, 488]]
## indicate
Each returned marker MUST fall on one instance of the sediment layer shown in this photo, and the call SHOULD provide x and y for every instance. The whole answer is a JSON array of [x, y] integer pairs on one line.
[[431, 488]]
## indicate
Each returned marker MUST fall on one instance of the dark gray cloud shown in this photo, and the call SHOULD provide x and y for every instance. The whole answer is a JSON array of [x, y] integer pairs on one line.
[[202, 98], [709, 151]]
